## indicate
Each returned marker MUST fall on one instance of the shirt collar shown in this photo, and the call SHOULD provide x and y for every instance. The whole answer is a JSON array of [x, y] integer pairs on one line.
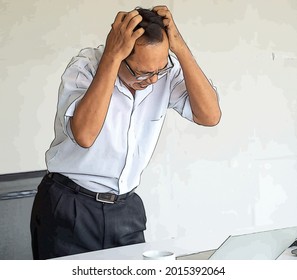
[[139, 94]]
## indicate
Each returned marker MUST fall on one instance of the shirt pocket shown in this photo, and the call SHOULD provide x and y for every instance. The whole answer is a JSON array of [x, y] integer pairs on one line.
[[157, 118]]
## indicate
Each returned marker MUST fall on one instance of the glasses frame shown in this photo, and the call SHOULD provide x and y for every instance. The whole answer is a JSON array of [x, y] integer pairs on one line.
[[160, 73]]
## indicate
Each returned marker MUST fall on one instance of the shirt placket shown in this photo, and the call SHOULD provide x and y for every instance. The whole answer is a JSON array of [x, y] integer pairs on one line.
[[131, 144]]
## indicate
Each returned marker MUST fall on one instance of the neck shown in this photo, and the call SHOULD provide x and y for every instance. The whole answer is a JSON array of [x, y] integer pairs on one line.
[[129, 88]]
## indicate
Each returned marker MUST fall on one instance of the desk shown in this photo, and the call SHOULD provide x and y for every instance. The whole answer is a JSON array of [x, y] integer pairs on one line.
[[180, 246]]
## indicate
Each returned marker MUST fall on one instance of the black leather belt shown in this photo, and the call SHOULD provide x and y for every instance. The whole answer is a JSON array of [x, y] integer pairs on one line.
[[101, 197]]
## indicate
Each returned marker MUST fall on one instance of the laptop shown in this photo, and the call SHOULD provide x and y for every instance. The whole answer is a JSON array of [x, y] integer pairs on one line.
[[264, 245]]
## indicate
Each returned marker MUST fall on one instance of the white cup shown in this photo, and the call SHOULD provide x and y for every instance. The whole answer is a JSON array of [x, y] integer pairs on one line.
[[158, 255]]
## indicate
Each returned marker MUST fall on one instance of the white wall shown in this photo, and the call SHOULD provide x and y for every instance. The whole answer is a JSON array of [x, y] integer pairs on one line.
[[239, 175]]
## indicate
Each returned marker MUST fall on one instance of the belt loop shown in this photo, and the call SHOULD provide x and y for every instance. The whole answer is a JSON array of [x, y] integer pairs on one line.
[[76, 188]]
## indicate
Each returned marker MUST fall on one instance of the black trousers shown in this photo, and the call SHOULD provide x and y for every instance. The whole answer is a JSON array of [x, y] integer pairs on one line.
[[64, 222]]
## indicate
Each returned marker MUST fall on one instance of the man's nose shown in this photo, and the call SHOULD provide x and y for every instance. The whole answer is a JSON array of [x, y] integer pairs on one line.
[[153, 79]]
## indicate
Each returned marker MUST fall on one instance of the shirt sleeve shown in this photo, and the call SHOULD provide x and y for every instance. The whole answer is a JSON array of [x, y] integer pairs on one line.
[[74, 83], [179, 98]]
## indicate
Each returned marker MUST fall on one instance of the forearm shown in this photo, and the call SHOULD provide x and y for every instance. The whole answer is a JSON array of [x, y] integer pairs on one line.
[[203, 98], [89, 116], [91, 111]]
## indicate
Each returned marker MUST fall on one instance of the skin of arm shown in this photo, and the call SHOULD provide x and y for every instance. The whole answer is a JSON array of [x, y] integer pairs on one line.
[[203, 98], [91, 111]]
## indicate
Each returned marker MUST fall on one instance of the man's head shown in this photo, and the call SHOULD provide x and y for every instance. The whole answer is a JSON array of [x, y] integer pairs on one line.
[[153, 27], [149, 55]]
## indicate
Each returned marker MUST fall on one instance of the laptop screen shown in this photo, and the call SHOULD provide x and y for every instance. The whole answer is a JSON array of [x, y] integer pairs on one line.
[[265, 245]]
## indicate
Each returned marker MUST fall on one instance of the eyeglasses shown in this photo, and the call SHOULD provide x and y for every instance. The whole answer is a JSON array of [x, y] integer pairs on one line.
[[160, 73]]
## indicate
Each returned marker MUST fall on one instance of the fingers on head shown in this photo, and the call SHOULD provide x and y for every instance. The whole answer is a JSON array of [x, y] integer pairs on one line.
[[136, 34], [134, 21], [160, 7], [127, 19], [120, 17], [127, 16], [166, 21], [161, 10]]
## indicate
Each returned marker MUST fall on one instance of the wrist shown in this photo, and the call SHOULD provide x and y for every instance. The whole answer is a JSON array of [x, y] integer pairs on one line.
[[111, 58], [181, 49], [108, 68]]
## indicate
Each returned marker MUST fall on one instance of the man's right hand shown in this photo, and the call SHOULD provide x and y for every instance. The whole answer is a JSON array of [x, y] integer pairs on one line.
[[121, 38]]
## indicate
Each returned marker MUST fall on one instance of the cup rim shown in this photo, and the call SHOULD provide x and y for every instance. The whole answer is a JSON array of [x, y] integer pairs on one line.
[[158, 254]]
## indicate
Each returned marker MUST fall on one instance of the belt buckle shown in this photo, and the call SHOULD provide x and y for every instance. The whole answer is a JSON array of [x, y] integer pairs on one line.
[[105, 197]]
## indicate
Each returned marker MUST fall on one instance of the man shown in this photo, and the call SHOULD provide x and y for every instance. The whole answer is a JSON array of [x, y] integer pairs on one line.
[[112, 104]]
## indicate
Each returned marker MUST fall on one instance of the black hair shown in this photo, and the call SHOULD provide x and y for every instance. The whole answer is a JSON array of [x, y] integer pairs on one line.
[[153, 26]]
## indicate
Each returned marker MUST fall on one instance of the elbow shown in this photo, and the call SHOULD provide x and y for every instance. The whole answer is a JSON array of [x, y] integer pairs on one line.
[[82, 136], [209, 120], [214, 120], [84, 143], [82, 140]]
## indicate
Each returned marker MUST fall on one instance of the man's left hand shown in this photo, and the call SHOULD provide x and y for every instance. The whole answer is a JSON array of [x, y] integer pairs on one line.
[[176, 41]]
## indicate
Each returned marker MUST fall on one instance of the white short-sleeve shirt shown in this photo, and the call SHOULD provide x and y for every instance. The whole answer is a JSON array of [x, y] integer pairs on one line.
[[123, 148]]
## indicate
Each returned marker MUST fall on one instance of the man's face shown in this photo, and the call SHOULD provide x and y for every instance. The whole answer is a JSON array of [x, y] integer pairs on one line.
[[145, 61]]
